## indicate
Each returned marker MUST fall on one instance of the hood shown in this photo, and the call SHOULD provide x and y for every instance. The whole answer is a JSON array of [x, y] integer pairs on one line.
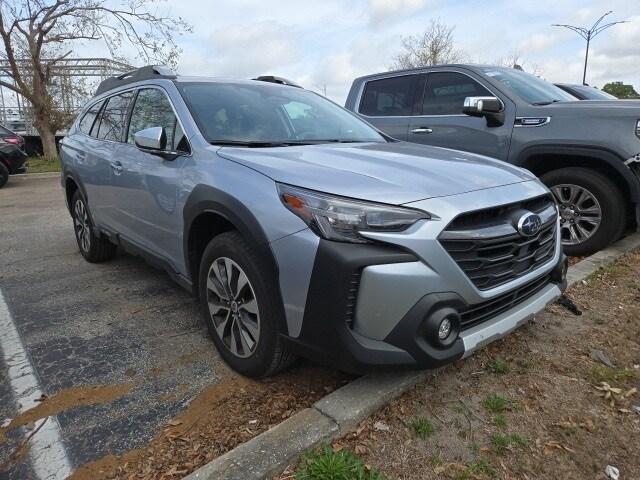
[[395, 173], [608, 108]]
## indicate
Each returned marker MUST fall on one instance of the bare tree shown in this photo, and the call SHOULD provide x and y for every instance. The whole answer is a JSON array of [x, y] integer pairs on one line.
[[435, 46], [38, 34], [515, 60]]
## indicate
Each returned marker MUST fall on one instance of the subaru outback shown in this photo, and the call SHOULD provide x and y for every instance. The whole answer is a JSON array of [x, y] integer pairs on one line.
[[305, 231]]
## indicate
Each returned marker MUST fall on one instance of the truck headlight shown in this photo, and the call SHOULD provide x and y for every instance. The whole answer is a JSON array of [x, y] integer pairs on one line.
[[638, 128], [342, 219]]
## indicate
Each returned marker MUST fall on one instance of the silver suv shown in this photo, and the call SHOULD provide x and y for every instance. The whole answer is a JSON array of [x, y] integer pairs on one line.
[[305, 231]]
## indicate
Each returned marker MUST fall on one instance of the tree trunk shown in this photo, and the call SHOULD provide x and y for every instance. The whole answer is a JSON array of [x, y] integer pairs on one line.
[[48, 137]]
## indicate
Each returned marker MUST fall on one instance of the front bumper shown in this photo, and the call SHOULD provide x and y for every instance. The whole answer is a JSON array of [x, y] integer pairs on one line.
[[373, 306], [14, 158]]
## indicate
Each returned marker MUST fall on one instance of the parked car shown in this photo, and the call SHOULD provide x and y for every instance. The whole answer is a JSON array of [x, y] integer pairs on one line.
[[585, 92], [12, 155], [587, 153], [305, 231]]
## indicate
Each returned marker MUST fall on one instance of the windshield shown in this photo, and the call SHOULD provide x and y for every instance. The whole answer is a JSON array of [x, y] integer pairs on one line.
[[528, 87], [592, 93], [263, 114]]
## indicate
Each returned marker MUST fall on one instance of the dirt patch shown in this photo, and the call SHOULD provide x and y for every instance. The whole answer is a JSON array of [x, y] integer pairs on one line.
[[538, 404], [220, 418], [67, 399]]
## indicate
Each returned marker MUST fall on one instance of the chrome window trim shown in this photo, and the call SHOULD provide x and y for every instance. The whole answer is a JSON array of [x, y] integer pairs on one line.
[[134, 89], [364, 85]]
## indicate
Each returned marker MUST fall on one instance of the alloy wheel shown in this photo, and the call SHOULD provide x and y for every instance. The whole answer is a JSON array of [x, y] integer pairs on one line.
[[580, 213], [233, 307], [82, 226]]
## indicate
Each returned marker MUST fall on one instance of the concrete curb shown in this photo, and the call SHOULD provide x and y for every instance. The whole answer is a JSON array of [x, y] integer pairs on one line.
[[341, 411], [37, 175]]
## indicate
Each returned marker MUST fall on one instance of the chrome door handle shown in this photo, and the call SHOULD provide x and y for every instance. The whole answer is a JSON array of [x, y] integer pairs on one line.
[[422, 130], [117, 167]]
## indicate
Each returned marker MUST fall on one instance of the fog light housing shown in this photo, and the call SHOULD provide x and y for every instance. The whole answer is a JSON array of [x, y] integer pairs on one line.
[[442, 327]]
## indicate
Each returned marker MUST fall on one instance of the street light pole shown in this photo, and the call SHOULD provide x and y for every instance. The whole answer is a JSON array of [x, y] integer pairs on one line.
[[588, 34]]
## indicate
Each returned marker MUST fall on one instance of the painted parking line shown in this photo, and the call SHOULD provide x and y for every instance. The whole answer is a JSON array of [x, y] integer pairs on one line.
[[47, 452]]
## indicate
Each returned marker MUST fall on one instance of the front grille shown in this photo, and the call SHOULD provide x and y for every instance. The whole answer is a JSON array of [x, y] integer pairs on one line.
[[480, 312], [488, 248]]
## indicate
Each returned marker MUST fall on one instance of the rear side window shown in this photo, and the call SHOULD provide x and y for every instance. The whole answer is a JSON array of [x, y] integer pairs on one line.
[[445, 93], [388, 97], [114, 117], [89, 118], [153, 109]]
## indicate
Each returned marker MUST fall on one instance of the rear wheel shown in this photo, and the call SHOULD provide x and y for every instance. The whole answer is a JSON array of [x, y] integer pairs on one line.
[[239, 303], [592, 209], [4, 174], [94, 249]]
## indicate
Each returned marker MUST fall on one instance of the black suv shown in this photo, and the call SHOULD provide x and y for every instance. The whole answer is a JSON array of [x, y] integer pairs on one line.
[[587, 153], [12, 155]]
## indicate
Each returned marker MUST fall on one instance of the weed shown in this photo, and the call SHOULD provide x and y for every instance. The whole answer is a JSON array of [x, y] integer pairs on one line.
[[481, 467], [500, 443], [602, 373], [495, 403], [499, 420], [499, 366], [523, 366], [324, 463], [423, 428]]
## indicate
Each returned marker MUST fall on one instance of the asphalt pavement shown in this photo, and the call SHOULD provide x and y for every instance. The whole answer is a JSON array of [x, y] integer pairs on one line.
[[68, 323]]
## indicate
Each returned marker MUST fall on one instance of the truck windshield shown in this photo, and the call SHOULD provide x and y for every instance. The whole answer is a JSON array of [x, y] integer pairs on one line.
[[261, 115], [528, 87]]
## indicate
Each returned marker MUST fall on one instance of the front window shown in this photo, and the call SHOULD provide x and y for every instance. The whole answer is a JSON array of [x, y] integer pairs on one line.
[[262, 113], [445, 92], [528, 87]]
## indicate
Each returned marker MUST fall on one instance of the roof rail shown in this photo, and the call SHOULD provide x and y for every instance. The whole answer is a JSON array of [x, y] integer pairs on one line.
[[279, 80], [142, 73]]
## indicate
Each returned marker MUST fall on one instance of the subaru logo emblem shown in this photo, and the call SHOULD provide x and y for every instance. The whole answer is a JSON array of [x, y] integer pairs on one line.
[[529, 224]]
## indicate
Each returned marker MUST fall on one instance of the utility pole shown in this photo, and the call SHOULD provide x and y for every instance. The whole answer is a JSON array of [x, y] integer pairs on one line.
[[588, 34]]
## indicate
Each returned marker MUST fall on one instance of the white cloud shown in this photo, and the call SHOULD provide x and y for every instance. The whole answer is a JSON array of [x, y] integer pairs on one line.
[[538, 42], [380, 10]]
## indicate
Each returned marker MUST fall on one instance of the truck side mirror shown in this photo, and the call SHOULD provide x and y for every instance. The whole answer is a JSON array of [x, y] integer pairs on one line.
[[489, 107]]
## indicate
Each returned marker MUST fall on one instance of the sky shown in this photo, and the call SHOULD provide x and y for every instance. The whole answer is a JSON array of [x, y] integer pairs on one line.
[[325, 44]]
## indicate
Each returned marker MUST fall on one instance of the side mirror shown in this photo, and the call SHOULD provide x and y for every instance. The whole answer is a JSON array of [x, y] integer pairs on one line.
[[489, 107], [152, 140]]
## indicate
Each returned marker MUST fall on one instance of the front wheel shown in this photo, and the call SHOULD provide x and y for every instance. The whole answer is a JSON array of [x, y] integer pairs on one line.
[[94, 249], [592, 209], [239, 303], [4, 174]]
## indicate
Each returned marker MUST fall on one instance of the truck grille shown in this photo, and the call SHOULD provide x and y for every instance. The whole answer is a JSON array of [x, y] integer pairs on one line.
[[478, 313], [488, 248]]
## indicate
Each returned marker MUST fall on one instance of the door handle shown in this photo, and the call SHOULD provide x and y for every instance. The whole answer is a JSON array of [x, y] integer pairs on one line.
[[117, 167], [421, 130]]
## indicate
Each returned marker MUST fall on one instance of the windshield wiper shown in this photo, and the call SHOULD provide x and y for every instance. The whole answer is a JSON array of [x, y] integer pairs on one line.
[[255, 144], [539, 104]]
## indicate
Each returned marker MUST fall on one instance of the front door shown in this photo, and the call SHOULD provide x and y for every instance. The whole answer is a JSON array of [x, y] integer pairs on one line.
[[441, 122], [147, 206]]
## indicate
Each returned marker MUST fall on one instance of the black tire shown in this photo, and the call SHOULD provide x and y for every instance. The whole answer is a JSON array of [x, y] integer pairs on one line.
[[609, 197], [4, 175], [269, 354], [94, 248]]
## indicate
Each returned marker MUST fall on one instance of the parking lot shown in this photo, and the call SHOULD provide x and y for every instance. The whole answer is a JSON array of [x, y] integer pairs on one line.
[[123, 346]]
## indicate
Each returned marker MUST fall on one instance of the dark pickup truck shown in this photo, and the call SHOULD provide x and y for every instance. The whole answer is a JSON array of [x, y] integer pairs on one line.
[[587, 153]]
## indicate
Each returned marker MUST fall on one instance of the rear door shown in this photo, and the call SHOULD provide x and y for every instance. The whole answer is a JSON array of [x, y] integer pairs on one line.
[[440, 121], [147, 204], [388, 103]]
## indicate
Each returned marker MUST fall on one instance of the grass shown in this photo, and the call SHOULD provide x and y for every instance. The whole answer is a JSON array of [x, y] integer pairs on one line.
[[499, 421], [423, 428], [477, 469], [325, 464], [495, 403], [500, 443], [499, 366], [602, 373], [43, 165]]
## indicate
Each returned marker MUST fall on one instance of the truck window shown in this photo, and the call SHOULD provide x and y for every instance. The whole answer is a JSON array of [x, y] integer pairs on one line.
[[388, 97], [445, 93]]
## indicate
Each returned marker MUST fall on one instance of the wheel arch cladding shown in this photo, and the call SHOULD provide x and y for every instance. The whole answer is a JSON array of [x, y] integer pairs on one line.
[[70, 187], [209, 212], [544, 158]]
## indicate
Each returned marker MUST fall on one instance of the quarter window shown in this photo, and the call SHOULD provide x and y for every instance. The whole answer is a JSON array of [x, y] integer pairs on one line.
[[445, 93], [388, 97], [89, 118], [153, 109], [114, 117]]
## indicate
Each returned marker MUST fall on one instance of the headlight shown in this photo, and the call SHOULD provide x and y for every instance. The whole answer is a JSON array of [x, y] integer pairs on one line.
[[638, 128], [342, 219]]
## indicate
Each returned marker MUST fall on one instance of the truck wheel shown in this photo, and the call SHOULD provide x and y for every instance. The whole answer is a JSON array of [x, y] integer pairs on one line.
[[4, 175], [592, 209], [94, 249], [239, 306]]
